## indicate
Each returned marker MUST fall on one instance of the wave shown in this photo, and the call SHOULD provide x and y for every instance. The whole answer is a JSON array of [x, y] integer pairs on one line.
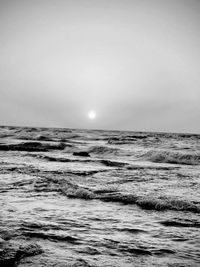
[[108, 163], [40, 137], [137, 250], [147, 202], [126, 139], [163, 251], [167, 204], [66, 185], [142, 251], [84, 173], [51, 158], [32, 147], [164, 156], [30, 226], [111, 163], [69, 188], [80, 193], [89, 251], [134, 250], [60, 159], [52, 236], [132, 230], [49, 182], [105, 150], [148, 167], [182, 223]]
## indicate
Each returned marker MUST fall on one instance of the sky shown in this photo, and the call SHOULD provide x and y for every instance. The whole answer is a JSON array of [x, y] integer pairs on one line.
[[134, 63]]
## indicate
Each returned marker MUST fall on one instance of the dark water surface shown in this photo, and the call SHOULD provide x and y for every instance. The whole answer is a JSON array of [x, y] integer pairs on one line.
[[99, 198]]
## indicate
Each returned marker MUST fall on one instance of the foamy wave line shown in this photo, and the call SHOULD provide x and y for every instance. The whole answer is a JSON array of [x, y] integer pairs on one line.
[[147, 202], [70, 189]]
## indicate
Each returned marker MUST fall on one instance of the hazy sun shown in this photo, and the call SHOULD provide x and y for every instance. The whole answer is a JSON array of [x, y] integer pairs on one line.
[[92, 115]]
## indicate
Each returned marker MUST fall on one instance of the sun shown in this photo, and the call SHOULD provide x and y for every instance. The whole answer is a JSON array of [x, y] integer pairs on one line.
[[92, 115]]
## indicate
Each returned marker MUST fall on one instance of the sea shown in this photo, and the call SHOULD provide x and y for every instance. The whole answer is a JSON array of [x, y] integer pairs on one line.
[[81, 198]]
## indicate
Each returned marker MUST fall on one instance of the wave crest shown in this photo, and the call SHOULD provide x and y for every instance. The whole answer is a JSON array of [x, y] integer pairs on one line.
[[81, 193], [144, 202]]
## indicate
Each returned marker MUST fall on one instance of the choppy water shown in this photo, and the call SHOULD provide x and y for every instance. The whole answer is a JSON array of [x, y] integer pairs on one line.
[[131, 199]]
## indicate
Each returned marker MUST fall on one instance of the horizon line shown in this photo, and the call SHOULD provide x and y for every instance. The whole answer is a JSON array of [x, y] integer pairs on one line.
[[110, 130]]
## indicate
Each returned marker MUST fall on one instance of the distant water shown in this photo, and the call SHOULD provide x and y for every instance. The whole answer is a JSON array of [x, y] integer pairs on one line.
[[99, 198]]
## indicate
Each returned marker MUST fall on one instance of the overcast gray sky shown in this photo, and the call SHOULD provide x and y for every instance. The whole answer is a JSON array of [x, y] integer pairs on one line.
[[136, 63]]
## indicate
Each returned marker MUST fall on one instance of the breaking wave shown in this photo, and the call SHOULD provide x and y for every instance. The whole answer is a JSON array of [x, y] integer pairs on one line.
[[147, 202], [80, 193], [69, 188]]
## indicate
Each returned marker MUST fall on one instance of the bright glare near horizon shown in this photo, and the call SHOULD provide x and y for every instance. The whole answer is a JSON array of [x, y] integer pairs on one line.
[[92, 115]]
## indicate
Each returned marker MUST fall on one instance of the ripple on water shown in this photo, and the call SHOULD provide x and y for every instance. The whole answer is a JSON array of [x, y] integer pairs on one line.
[[90, 198]]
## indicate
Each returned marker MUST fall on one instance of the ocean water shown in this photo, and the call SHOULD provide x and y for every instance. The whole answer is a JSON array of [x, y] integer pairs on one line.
[[99, 198]]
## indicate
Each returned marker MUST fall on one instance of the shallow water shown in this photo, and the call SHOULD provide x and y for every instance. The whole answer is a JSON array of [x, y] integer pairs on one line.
[[132, 200]]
